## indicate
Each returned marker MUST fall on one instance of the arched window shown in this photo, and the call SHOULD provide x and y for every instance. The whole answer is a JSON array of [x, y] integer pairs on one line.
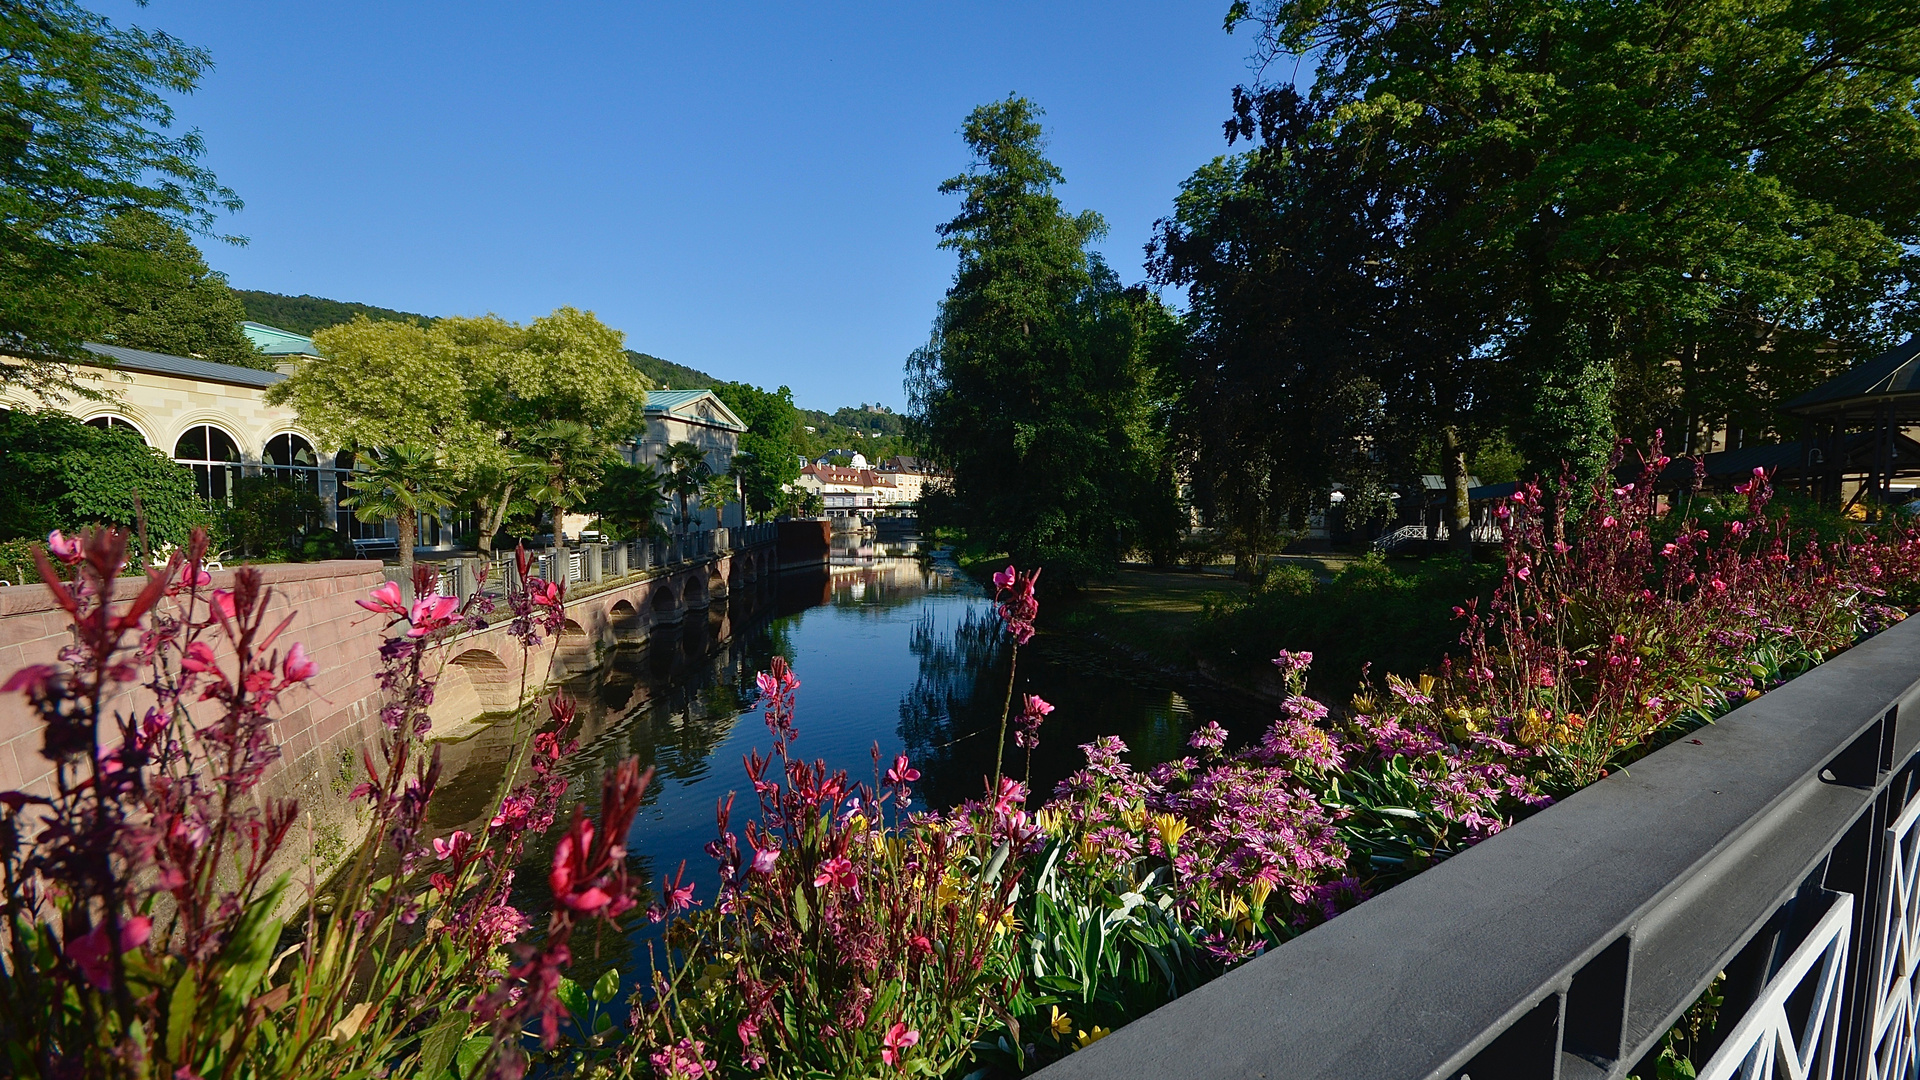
[[291, 458], [347, 522], [214, 457], [115, 423]]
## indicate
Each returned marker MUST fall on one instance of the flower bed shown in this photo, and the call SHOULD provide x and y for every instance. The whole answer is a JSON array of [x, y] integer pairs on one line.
[[849, 933]]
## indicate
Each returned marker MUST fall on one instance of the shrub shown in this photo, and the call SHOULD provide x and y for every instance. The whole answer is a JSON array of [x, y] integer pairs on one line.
[[266, 515], [64, 474]]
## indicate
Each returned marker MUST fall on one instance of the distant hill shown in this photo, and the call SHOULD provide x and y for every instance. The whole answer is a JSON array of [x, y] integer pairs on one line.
[[668, 375], [305, 314]]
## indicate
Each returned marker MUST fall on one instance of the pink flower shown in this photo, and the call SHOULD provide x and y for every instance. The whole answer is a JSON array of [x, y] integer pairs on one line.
[[386, 599], [904, 773], [836, 871], [32, 679], [66, 549], [430, 613], [199, 657], [764, 859], [1608, 522], [89, 951], [898, 1039], [1002, 579], [297, 667], [222, 602], [451, 845], [570, 873]]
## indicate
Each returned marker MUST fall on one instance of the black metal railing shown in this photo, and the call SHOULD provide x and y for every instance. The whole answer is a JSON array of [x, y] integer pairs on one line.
[[1776, 850]]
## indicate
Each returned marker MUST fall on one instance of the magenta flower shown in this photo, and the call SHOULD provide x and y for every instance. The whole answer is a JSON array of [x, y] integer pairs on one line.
[[836, 871], [222, 602], [297, 667], [447, 847], [898, 1039], [430, 613], [386, 599], [66, 549], [89, 951], [902, 772], [764, 859], [198, 657]]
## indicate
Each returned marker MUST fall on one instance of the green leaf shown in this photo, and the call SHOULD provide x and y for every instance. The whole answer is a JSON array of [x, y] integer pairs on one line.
[[802, 915], [437, 1046], [472, 1052], [180, 1014], [570, 995], [607, 987]]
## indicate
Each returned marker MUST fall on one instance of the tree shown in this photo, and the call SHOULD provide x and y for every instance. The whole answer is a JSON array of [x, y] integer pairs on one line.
[[1036, 387], [63, 474], [629, 501], [85, 113], [400, 483], [1278, 379], [570, 457], [685, 473], [1667, 210], [154, 291], [769, 454]]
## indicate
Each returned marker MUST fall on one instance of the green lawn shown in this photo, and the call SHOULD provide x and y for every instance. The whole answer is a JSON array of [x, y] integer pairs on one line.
[[1149, 610]]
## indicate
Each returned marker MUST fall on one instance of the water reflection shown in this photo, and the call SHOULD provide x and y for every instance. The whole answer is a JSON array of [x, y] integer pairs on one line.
[[890, 649]]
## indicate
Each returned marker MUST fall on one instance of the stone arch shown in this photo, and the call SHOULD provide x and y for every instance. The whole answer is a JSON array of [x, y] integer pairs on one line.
[[666, 602], [627, 623], [491, 680], [694, 594], [571, 629]]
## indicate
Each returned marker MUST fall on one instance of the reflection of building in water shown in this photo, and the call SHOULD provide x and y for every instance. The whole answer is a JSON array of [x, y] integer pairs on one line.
[[884, 579]]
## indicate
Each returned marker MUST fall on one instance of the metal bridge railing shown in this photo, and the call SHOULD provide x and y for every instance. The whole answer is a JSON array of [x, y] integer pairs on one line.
[[1779, 847]]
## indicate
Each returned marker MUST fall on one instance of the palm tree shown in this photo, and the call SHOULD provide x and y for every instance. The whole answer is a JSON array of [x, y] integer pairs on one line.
[[687, 473], [630, 499], [400, 483], [573, 456]]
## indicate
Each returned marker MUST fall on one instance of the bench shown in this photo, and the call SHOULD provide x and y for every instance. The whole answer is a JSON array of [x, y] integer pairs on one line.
[[376, 545]]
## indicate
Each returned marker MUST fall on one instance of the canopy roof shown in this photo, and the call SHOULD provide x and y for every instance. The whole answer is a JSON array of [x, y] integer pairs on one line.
[[1890, 379]]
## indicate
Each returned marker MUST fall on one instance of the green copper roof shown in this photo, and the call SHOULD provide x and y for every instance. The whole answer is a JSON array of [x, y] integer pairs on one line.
[[695, 406], [277, 342]]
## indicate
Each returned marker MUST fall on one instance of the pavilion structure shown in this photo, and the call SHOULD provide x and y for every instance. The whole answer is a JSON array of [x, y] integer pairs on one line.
[[1853, 429]]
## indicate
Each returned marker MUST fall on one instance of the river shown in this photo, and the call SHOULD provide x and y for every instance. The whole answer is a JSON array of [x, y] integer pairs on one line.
[[891, 647]]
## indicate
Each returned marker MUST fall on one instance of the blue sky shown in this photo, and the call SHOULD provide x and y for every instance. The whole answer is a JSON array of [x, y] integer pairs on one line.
[[747, 189]]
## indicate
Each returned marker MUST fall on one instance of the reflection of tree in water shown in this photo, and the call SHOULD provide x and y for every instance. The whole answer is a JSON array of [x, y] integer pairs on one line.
[[957, 696]]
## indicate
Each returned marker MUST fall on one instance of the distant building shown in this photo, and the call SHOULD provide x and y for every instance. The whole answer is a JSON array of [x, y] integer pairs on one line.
[[695, 416], [912, 477], [849, 492]]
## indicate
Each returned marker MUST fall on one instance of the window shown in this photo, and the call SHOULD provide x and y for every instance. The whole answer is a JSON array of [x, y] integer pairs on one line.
[[115, 423], [348, 523], [214, 457], [291, 458]]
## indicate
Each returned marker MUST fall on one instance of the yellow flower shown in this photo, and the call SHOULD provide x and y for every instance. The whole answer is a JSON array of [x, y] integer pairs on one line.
[[1061, 1023], [1426, 685], [1051, 821], [1088, 1038], [859, 822], [1262, 888], [1171, 828], [1134, 818]]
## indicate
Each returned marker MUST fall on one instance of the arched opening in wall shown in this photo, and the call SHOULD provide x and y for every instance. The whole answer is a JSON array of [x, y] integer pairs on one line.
[[666, 606], [696, 591], [110, 422], [571, 629], [214, 457], [625, 620], [291, 458], [489, 676]]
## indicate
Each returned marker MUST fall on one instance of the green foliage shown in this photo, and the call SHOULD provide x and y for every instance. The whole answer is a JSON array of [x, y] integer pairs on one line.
[[768, 458], [85, 108], [155, 292], [63, 474], [305, 314], [685, 474], [1398, 617], [668, 375], [1037, 387], [629, 501], [268, 516], [399, 483]]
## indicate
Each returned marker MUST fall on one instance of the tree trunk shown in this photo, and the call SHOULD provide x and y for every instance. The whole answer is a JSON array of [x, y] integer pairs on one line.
[[409, 528], [493, 514], [1459, 511], [559, 527]]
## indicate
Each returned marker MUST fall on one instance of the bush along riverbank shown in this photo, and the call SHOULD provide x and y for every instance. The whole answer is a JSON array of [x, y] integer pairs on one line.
[[848, 931]]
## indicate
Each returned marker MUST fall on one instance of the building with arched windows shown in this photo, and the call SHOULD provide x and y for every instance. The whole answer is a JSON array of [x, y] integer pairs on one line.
[[212, 418]]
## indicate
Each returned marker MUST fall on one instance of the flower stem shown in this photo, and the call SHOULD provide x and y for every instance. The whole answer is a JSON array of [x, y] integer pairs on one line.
[[1006, 709]]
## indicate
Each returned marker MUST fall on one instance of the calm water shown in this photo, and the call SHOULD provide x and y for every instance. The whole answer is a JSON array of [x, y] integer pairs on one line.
[[889, 647]]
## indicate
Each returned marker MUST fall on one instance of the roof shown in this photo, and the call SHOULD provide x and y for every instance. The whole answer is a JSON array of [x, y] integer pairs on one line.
[[907, 463], [841, 474], [694, 407], [1893, 374], [277, 342], [1788, 457], [181, 366]]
